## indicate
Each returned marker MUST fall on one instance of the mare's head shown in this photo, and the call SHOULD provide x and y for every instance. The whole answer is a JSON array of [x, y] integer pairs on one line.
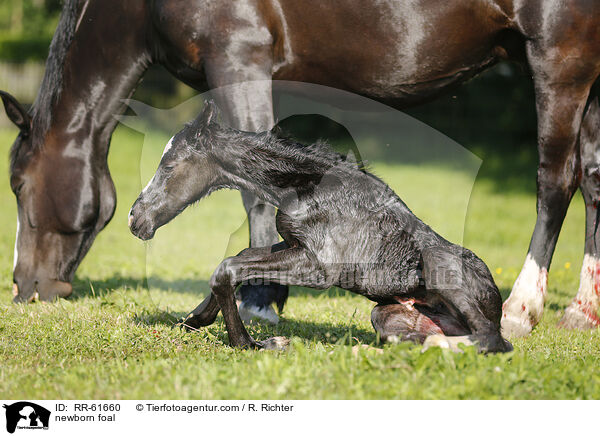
[[185, 174], [64, 197], [48, 240]]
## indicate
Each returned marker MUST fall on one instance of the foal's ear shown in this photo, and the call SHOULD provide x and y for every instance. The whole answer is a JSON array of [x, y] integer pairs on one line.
[[16, 113], [210, 113]]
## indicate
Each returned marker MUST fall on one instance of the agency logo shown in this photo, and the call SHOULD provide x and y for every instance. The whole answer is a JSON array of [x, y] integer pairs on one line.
[[26, 415]]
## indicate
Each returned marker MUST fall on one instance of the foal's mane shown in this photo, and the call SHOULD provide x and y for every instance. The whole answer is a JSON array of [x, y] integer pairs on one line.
[[52, 82]]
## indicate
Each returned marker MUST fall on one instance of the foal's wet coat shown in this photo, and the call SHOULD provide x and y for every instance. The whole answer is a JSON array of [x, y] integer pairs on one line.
[[341, 226]]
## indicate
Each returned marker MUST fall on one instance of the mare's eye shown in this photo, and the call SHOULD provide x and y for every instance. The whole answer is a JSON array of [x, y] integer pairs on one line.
[[18, 189]]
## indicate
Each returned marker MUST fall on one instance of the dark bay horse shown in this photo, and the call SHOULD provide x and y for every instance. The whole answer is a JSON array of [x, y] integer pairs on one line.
[[341, 226], [398, 52]]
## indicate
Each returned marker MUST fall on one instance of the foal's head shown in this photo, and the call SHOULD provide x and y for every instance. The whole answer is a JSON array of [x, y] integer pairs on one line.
[[185, 174]]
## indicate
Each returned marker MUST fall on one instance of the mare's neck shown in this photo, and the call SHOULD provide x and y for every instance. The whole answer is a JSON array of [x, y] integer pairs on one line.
[[103, 64]]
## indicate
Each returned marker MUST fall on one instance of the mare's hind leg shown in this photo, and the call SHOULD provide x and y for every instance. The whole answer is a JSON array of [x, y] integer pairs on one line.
[[562, 87], [582, 313]]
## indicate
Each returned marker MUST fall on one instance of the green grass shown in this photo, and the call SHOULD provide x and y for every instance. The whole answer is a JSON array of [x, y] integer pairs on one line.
[[113, 337]]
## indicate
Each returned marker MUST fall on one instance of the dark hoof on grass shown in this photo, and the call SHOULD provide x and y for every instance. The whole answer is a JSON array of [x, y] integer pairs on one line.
[[190, 323]]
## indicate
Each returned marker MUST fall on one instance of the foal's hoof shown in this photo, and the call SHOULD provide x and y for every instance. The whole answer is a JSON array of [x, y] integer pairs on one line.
[[446, 342], [251, 314], [185, 324], [275, 343], [576, 318], [191, 323]]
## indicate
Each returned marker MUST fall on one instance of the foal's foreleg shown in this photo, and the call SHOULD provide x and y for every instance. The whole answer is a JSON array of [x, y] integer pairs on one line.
[[287, 267], [560, 101], [206, 312], [582, 313]]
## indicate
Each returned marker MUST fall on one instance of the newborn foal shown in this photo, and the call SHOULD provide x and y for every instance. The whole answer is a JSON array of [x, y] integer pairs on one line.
[[341, 226]]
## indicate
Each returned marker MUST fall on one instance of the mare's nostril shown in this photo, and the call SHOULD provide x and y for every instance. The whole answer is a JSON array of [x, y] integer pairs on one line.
[[130, 220]]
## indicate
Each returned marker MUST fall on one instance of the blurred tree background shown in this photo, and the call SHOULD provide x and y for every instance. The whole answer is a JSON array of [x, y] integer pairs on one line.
[[26, 28], [493, 115]]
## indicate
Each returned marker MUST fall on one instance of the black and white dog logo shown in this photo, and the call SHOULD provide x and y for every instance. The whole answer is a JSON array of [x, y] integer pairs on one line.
[[26, 415]]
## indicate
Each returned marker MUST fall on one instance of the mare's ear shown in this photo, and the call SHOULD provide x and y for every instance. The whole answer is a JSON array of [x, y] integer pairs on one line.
[[16, 113], [210, 113]]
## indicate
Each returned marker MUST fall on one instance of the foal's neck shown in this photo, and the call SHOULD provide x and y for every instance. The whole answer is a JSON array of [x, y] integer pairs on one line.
[[267, 166]]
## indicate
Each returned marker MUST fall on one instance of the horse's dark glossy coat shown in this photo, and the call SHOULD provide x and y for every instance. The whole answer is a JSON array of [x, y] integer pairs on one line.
[[400, 52], [341, 226]]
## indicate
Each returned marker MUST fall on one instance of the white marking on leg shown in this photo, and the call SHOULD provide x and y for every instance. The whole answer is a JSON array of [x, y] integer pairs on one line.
[[275, 343], [248, 313], [583, 310], [525, 306]]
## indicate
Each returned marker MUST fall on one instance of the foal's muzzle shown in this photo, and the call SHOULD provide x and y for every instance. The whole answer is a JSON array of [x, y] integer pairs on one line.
[[140, 224]]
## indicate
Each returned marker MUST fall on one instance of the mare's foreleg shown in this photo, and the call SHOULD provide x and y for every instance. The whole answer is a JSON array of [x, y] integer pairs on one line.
[[245, 95]]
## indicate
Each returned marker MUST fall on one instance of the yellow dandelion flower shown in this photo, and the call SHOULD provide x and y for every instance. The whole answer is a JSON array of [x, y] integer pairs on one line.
[[567, 265], [498, 271]]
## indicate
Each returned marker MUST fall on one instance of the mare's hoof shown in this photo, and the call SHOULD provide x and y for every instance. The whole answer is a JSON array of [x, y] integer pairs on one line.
[[275, 343], [515, 326], [251, 314], [446, 342], [579, 319]]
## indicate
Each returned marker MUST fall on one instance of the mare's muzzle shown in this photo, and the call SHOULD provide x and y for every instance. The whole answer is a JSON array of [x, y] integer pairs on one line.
[[46, 290]]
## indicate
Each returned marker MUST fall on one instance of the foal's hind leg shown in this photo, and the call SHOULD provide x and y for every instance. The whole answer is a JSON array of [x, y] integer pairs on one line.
[[582, 313], [408, 322], [402, 322]]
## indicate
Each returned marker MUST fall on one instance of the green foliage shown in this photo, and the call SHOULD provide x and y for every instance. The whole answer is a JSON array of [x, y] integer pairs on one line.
[[26, 28], [113, 338], [19, 49]]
